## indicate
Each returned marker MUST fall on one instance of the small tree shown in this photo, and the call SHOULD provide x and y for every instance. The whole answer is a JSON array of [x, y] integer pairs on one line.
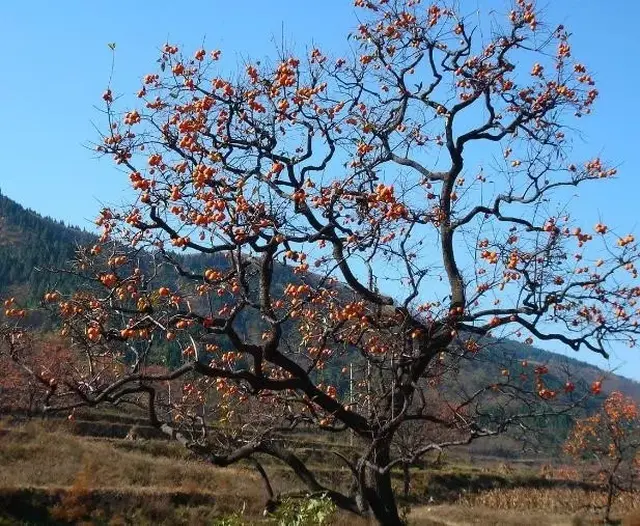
[[30, 369], [398, 209], [611, 437]]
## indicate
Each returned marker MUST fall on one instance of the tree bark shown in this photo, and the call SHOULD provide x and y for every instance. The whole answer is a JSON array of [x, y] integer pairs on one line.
[[378, 492], [406, 479]]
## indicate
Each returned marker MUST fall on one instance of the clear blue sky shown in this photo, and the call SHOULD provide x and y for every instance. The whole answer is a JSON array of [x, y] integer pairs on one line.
[[56, 64]]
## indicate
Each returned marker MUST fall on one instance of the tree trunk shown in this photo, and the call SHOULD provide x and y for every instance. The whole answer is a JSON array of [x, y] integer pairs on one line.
[[378, 492], [607, 511], [407, 479]]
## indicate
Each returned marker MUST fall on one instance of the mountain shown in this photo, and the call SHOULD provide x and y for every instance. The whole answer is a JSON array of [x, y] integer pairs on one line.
[[557, 362], [31, 243]]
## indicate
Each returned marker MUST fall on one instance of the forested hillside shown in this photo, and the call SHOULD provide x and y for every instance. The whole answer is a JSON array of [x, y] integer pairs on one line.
[[31, 243]]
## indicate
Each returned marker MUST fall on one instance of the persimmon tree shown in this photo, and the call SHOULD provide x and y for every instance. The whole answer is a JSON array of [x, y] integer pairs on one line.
[[611, 438], [391, 209]]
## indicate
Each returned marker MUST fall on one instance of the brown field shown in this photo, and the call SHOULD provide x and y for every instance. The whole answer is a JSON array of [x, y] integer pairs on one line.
[[53, 475]]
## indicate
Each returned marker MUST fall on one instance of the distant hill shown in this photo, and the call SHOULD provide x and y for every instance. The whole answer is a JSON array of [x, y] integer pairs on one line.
[[30, 241], [589, 373]]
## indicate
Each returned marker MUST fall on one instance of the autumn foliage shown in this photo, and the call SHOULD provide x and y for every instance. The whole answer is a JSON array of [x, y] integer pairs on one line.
[[406, 252], [610, 439], [30, 370]]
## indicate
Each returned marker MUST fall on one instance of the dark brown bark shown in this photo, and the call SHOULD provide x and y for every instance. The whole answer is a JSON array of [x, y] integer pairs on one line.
[[378, 491]]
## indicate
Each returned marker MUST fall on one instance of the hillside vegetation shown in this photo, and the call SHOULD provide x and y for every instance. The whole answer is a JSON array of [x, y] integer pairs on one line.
[[53, 475], [31, 244]]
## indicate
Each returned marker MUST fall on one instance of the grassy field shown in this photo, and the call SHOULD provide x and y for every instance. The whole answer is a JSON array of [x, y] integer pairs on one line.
[[51, 474]]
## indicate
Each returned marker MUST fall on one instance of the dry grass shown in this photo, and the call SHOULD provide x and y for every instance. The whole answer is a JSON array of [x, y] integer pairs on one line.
[[555, 500], [49, 473], [463, 515], [584, 506], [32, 457], [446, 515], [56, 471], [56, 474]]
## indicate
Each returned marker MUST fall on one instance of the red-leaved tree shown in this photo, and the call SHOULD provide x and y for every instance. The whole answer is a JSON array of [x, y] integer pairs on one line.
[[611, 438]]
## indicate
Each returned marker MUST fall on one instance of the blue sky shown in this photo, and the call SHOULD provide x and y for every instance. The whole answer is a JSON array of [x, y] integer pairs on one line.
[[56, 64]]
